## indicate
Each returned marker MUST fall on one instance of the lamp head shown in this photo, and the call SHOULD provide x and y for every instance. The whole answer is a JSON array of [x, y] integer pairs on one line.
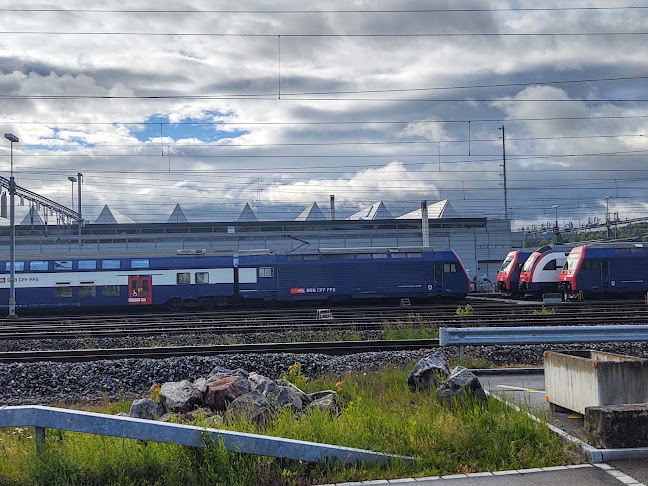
[[72, 179], [11, 137]]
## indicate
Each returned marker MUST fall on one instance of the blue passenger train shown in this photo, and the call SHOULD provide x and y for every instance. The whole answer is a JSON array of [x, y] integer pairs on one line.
[[197, 278], [599, 269]]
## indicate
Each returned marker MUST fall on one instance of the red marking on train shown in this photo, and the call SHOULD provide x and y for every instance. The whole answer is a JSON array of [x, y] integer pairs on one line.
[[298, 291]]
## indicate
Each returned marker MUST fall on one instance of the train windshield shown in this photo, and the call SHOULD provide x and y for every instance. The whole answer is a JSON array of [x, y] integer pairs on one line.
[[506, 266], [528, 265], [572, 262]]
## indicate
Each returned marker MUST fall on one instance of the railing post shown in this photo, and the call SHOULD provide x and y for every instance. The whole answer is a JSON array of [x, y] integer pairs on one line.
[[39, 434], [461, 352]]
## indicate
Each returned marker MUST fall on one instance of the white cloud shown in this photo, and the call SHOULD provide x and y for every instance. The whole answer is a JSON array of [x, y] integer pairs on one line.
[[305, 146]]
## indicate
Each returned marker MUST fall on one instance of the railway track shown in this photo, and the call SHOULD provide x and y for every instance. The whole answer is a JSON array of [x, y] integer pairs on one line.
[[481, 305], [146, 330], [145, 326], [335, 348]]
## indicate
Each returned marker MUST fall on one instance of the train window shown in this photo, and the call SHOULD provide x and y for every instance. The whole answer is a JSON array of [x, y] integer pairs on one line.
[[266, 272], [376, 256], [62, 291], [338, 256], [449, 267], [311, 257], [551, 265], [294, 258], [87, 291], [592, 264], [20, 266], [62, 265], [202, 277], [363, 256], [110, 290], [87, 264], [623, 250], [637, 250], [183, 278], [145, 287], [398, 255], [39, 266], [139, 263], [110, 265], [414, 255], [506, 264]]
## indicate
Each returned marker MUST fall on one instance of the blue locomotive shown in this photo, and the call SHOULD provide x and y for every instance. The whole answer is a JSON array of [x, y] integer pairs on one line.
[[196, 278], [612, 269]]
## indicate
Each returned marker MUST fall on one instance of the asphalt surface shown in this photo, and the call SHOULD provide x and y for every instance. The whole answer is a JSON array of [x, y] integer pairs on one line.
[[529, 389]]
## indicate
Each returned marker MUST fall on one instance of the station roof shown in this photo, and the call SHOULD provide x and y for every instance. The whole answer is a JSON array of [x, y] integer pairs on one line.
[[110, 215], [247, 214], [441, 209], [178, 215], [311, 213], [377, 210], [32, 217]]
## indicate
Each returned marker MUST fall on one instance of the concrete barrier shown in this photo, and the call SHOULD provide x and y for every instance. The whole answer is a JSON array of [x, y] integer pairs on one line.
[[578, 379]]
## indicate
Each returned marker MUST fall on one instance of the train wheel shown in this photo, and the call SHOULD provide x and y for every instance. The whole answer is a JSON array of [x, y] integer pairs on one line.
[[208, 303], [175, 304]]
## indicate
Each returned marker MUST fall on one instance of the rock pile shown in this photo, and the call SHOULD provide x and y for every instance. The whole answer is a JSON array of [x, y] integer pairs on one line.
[[433, 372], [226, 393]]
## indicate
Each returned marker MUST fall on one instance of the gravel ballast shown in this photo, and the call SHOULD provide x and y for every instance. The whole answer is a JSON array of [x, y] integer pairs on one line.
[[95, 381]]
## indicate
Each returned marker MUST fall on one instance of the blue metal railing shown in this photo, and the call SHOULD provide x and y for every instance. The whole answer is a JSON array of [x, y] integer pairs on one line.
[[485, 336], [43, 418]]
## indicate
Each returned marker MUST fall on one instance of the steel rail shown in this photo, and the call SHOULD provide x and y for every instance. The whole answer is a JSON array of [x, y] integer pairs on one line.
[[332, 348], [145, 329]]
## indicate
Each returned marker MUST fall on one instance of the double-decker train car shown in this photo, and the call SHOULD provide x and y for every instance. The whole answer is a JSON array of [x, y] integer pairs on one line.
[[508, 277], [196, 278], [599, 269], [541, 270]]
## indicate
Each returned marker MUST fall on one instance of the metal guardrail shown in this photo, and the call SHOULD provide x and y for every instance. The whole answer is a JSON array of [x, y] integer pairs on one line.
[[41, 417], [485, 336]]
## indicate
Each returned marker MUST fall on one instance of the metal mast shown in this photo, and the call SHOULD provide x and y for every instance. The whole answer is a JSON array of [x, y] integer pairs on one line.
[[503, 165]]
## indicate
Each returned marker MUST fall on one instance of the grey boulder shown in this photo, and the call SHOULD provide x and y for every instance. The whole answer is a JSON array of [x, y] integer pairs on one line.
[[462, 383], [146, 408], [428, 372], [179, 396]]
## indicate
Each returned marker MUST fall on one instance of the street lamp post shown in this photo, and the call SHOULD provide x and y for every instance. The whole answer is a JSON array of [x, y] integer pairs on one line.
[[73, 179], [557, 233], [12, 232]]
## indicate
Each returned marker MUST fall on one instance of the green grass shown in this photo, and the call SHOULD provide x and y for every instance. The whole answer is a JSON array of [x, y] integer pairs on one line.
[[378, 412], [410, 329]]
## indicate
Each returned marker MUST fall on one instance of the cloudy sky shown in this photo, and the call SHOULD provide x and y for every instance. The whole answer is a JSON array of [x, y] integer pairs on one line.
[[212, 104]]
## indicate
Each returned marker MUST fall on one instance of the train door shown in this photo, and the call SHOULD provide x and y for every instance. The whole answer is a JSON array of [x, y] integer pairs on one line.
[[438, 276], [605, 272], [140, 290]]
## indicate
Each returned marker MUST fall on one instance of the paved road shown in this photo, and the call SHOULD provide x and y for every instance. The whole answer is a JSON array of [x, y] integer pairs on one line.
[[579, 475]]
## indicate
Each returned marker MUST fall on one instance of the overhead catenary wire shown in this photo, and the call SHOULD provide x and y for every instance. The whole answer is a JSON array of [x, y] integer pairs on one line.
[[326, 11]]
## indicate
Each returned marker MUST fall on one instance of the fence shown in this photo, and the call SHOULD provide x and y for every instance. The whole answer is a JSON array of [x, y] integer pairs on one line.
[[485, 336], [42, 418]]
